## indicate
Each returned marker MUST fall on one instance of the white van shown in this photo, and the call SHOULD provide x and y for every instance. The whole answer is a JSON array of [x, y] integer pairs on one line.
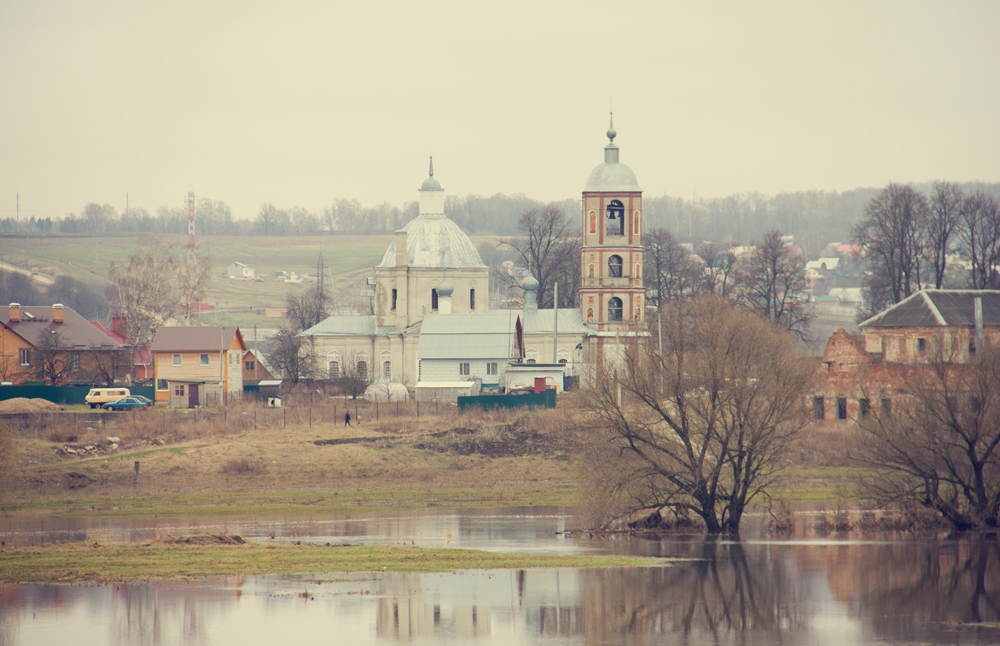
[[100, 396]]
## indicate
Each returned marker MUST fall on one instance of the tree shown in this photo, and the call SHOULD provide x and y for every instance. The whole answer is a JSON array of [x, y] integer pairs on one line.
[[18, 288], [893, 234], [719, 269], [355, 376], [942, 219], [143, 293], [772, 283], [267, 218], [309, 307], [85, 299], [292, 357], [670, 271], [550, 249], [979, 237], [192, 283], [52, 359], [701, 426], [940, 445]]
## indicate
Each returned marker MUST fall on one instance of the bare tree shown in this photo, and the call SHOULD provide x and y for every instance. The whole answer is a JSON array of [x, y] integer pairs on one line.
[[356, 375], [670, 271], [772, 283], [309, 307], [703, 425], [142, 291], [892, 234], [942, 219], [293, 356], [108, 365], [267, 218], [939, 445], [53, 360], [719, 269], [979, 237], [549, 247], [192, 284]]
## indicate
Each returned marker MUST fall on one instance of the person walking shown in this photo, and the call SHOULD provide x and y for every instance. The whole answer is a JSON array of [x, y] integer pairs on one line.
[[347, 418]]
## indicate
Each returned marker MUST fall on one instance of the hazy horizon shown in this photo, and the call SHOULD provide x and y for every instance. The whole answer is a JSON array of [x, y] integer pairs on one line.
[[301, 105]]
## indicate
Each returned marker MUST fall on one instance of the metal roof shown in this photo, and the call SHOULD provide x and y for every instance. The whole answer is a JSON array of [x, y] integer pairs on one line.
[[192, 339], [940, 307], [432, 240], [486, 335], [612, 176], [75, 332], [540, 322]]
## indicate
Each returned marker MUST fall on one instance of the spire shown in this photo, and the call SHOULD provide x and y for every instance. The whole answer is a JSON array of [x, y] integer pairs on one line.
[[431, 170], [611, 150], [611, 130]]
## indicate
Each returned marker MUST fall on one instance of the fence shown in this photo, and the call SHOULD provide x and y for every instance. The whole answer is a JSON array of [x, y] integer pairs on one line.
[[66, 395]]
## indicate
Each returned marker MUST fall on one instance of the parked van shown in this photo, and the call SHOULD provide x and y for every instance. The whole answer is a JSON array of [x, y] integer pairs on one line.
[[100, 396]]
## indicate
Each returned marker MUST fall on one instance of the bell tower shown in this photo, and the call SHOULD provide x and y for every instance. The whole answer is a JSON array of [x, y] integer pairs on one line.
[[612, 296]]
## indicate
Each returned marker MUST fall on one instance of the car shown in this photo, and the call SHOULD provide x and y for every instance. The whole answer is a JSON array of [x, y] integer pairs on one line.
[[128, 402]]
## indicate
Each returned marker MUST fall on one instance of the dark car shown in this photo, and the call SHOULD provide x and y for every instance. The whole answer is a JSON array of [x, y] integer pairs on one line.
[[128, 402]]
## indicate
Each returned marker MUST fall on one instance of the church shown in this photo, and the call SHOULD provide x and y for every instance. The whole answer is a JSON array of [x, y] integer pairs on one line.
[[432, 323]]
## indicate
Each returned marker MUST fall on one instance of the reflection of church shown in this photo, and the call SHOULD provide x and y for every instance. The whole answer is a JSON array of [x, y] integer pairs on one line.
[[431, 284]]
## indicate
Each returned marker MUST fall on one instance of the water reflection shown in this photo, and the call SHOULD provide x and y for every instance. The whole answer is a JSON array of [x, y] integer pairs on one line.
[[722, 593]]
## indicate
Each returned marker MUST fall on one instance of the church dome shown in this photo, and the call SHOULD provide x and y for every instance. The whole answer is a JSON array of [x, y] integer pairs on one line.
[[612, 176], [432, 240], [444, 288]]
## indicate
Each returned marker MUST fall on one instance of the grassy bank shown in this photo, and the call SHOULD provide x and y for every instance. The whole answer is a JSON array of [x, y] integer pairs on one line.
[[182, 559]]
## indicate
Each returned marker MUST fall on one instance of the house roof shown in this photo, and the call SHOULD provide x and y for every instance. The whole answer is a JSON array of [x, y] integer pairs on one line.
[[940, 307], [540, 322], [486, 335], [350, 325], [75, 332], [196, 339], [261, 360]]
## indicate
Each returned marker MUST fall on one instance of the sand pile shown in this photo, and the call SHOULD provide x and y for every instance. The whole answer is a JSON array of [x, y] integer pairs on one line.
[[24, 405]]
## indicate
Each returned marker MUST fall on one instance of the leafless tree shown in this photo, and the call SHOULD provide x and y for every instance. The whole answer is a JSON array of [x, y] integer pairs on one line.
[[939, 445], [142, 291], [942, 218], [267, 219], [550, 248], [53, 361], [892, 234], [192, 284], [293, 356], [703, 425], [109, 365], [309, 307], [772, 283], [979, 238], [719, 269], [670, 271], [356, 375]]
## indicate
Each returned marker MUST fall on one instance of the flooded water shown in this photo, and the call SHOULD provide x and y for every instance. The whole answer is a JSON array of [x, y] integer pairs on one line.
[[755, 591]]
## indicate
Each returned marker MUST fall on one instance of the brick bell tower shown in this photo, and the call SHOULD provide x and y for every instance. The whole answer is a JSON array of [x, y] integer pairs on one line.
[[612, 296]]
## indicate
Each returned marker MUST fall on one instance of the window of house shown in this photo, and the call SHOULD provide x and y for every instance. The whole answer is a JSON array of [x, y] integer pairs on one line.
[[251, 366], [972, 347], [177, 359], [463, 368], [204, 360], [434, 299], [25, 356], [162, 385], [886, 406], [387, 370], [76, 360], [394, 299], [333, 369], [841, 408], [818, 407], [921, 345], [362, 369], [472, 299], [616, 218], [563, 362], [491, 368], [864, 407], [615, 309], [178, 390], [615, 266]]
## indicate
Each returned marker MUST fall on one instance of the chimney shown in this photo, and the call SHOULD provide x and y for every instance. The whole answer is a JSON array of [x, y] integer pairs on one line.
[[15, 312], [57, 313], [118, 325]]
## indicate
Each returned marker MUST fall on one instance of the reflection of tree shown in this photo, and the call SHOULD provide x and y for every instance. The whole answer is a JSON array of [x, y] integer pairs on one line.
[[904, 587], [723, 594]]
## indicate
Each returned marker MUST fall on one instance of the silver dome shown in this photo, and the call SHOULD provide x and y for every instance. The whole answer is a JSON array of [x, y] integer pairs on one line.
[[432, 240]]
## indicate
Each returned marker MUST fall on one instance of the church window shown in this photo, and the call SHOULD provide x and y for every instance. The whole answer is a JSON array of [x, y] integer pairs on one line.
[[615, 266], [638, 271], [590, 315], [362, 369], [387, 370], [394, 299], [591, 271], [635, 223], [334, 370], [593, 221], [616, 219], [434, 299], [615, 309], [472, 300]]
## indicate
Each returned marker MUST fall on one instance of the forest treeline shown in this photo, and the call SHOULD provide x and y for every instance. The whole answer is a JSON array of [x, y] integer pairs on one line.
[[813, 217]]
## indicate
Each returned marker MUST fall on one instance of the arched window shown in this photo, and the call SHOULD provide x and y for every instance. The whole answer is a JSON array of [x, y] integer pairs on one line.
[[615, 309], [387, 370], [616, 219], [593, 221], [472, 300], [591, 272], [363, 369], [615, 266], [334, 370], [434, 299], [635, 223], [393, 299]]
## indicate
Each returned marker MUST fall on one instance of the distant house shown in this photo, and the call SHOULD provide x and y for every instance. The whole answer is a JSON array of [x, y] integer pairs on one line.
[[143, 357], [198, 366], [256, 368], [468, 347], [239, 270], [55, 345]]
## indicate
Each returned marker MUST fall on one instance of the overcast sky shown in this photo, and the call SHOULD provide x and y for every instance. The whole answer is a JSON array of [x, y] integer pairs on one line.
[[299, 104]]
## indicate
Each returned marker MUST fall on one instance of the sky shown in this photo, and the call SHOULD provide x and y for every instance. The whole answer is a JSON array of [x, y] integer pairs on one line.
[[303, 103]]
